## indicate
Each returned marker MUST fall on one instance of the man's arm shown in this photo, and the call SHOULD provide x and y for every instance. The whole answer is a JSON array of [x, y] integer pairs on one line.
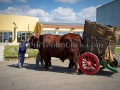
[[27, 40]]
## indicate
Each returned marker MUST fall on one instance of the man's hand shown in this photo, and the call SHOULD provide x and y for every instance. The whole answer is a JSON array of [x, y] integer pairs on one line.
[[28, 39]]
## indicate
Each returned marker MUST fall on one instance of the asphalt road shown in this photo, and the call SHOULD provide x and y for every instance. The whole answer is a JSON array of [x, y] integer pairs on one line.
[[59, 77]]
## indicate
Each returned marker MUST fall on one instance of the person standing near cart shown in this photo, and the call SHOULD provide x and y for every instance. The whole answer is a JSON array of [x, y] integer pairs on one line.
[[39, 59], [21, 53]]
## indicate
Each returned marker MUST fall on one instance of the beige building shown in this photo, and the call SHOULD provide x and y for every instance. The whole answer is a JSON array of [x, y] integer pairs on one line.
[[14, 28], [62, 28]]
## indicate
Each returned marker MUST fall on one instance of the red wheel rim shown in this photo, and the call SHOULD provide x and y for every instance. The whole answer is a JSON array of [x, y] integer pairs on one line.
[[89, 63]]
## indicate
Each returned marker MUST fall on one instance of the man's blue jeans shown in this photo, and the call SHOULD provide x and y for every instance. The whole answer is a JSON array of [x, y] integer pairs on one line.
[[20, 59]]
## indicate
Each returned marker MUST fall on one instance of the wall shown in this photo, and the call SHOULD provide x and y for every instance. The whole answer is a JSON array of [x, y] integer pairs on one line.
[[109, 14], [6, 23]]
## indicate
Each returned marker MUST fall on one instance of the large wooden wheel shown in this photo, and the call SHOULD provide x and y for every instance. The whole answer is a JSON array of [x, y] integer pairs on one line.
[[89, 63]]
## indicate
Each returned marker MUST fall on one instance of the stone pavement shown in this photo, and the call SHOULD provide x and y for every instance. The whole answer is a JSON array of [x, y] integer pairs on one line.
[[59, 77]]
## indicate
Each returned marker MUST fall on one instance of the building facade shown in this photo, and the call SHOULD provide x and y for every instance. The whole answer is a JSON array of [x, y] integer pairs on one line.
[[109, 14], [14, 28], [62, 28]]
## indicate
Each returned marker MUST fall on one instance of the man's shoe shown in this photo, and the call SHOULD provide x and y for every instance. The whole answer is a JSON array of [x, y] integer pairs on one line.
[[19, 66], [37, 67], [42, 66]]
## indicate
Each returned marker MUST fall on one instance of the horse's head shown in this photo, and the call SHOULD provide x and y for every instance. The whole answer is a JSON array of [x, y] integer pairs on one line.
[[34, 41]]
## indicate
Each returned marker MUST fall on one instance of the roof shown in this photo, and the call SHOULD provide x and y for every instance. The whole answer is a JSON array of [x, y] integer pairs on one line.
[[107, 3], [62, 25], [70, 24]]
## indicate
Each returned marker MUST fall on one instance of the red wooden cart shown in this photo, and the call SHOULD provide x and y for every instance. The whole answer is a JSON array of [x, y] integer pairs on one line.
[[92, 51]]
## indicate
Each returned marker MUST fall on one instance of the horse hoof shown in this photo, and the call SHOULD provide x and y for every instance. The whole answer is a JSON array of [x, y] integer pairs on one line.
[[70, 67], [75, 73], [45, 69], [51, 67], [81, 71]]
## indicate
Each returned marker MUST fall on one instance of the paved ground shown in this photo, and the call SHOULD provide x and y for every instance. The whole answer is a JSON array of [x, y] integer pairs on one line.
[[1, 52], [57, 78]]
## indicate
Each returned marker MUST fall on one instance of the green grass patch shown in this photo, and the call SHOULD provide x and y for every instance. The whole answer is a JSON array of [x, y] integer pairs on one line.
[[117, 50], [11, 52]]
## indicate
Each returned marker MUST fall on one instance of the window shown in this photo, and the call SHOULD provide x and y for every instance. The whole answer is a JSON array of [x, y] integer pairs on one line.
[[48, 32], [22, 36], [62, 33], [18, 36], [10, 36], [80, 33], [6, 37]]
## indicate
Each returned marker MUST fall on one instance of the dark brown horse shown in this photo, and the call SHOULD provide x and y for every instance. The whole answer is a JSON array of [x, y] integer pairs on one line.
[[63, 47]]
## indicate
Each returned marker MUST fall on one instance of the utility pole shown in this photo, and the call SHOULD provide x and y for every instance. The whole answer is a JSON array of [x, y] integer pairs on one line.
[[28, 28]]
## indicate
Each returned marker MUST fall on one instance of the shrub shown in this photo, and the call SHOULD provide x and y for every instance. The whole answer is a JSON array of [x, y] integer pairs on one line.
[[11, 51], [118, 43]]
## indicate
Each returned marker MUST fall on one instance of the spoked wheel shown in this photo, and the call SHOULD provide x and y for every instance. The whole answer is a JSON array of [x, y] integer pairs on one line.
[[89, 63]]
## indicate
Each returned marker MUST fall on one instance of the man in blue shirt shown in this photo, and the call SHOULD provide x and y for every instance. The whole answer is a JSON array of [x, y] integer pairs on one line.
[[21, 53]]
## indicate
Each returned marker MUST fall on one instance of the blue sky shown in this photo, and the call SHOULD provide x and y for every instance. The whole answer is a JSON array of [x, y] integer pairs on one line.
[[61, 11]]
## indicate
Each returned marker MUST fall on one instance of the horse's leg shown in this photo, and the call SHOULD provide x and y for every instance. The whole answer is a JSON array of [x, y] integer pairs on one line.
[[71, 63], [50, 64], [46, 66], [75, 61]]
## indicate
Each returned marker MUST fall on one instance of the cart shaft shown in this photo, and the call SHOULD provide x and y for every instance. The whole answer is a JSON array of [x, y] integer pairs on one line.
[[104, 64]]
